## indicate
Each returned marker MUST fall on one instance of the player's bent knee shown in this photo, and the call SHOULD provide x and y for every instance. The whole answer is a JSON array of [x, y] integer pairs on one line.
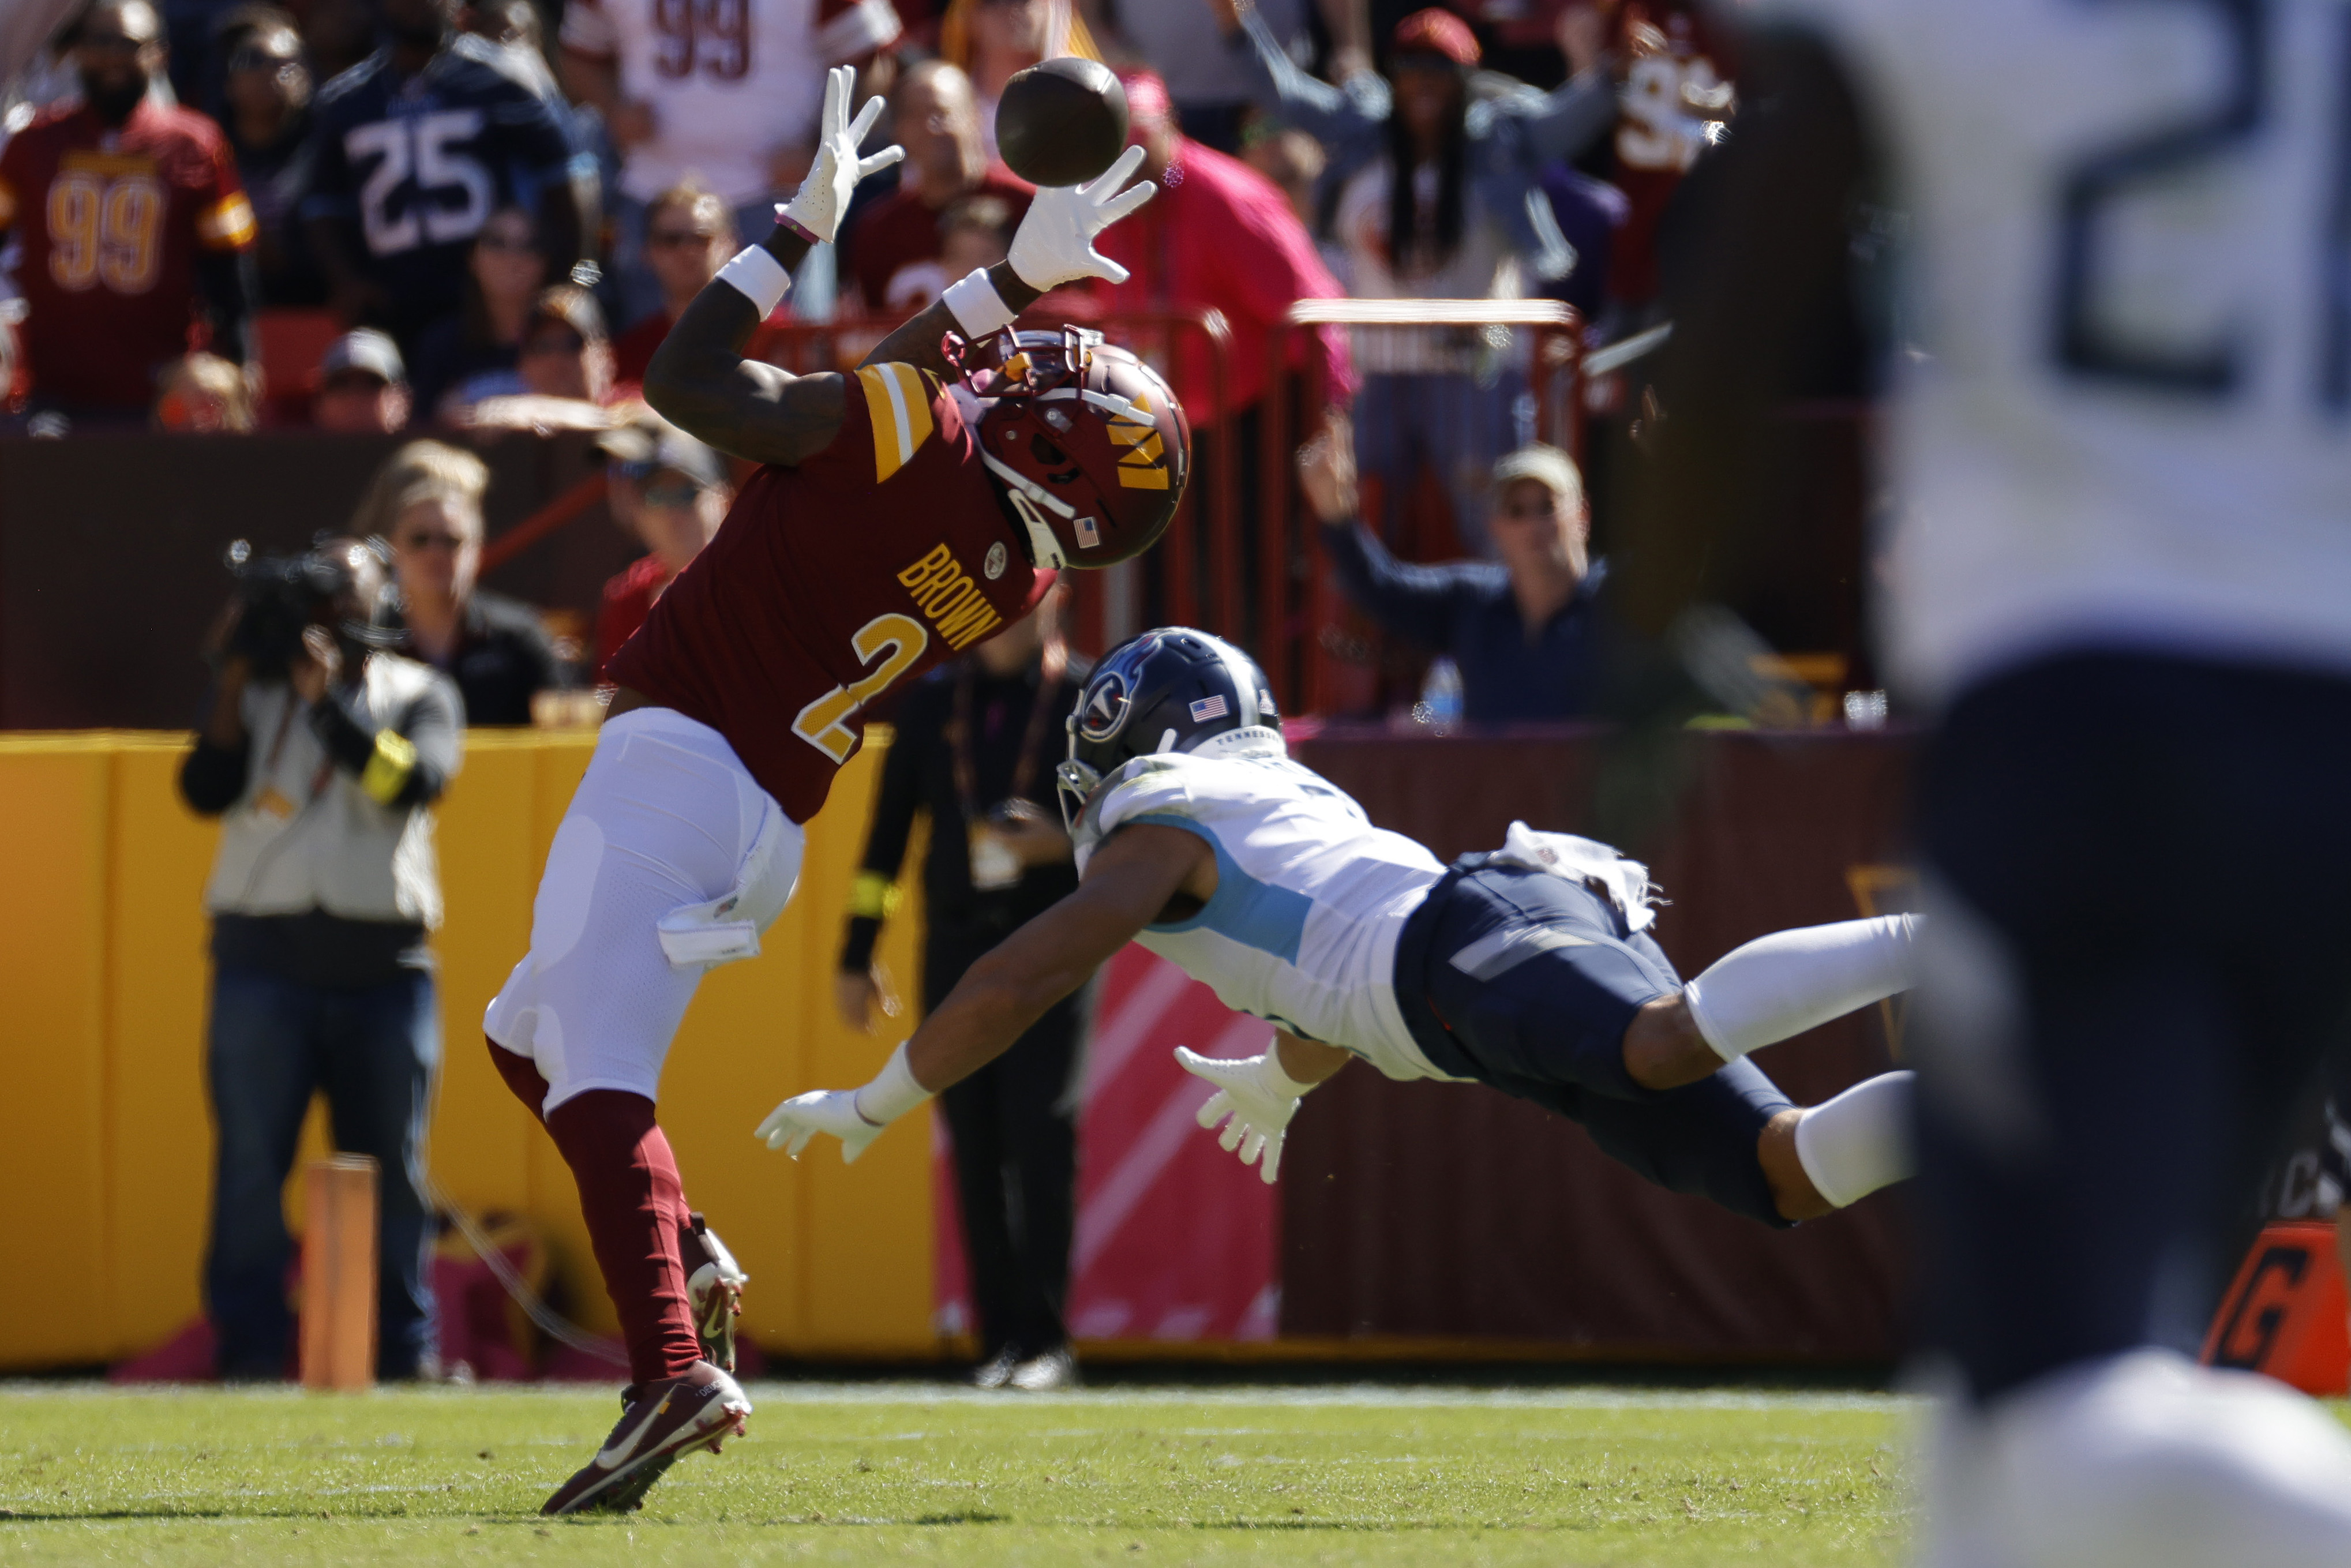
[[1793, 1192], [1663, 1047]]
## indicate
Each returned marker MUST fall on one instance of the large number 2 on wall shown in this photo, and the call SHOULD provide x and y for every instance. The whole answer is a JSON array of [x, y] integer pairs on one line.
[[897, 640]]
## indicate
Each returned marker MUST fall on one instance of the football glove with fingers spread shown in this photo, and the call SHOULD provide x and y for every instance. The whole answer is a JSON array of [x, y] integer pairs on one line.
[[816, 210], [1259, 1097], [1055, 243]]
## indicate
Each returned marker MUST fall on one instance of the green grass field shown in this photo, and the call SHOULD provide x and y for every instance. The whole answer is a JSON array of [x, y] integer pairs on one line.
[[924, 1473]]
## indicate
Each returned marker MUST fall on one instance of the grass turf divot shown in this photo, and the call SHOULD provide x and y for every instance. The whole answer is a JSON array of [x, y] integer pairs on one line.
[[918, 1473]]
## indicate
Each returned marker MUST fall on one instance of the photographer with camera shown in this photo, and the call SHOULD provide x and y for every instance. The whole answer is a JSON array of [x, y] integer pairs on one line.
[[322, 756]]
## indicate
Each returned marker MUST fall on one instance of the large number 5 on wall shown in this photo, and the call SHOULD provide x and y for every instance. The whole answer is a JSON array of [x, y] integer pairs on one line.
[[897, 640]]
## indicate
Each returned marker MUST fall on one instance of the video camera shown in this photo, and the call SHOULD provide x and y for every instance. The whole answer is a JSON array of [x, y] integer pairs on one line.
[[278, 597]]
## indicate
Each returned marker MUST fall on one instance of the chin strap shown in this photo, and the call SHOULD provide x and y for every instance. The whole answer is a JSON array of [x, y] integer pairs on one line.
[[1026, 495]]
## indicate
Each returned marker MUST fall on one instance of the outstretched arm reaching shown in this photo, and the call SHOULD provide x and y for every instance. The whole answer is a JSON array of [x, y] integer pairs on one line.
[[1128, 883]]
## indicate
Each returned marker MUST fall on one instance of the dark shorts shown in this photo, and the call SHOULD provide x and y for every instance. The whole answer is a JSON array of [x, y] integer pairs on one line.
[[1526, 981], [2104, 1066]]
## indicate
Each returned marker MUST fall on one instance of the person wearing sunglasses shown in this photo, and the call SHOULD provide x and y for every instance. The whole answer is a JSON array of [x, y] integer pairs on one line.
[[427, 500], [668, 492], [473, 354], [564, 369], [264, 109]]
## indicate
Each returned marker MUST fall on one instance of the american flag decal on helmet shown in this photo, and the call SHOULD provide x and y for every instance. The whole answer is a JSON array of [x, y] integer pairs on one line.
[[1207, 708], [1089, 534]]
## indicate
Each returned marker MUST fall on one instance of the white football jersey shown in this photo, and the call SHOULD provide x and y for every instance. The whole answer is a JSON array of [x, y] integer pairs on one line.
[[1310, 898], [2129, 272], [730, 81]]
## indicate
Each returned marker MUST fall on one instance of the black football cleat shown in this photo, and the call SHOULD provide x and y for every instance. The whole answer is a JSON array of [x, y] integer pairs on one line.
[[660, 1422]]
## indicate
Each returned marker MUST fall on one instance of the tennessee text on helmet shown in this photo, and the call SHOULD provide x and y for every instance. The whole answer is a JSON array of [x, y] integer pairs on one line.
[[1169, 689], [1087, 442]]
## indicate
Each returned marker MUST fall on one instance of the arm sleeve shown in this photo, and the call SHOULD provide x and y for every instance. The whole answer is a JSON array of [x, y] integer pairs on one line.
[[1414, 601], [1281, 89], [900, 795], [213, 777], [1566, 122], [402, 766]]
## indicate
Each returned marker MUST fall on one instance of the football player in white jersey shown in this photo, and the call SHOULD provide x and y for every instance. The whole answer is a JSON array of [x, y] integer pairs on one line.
[[2119, 575], [1530, 969]]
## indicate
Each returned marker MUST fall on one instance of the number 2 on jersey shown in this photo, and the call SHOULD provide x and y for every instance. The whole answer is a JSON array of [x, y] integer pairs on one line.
[[897, 640], [2092, 184]]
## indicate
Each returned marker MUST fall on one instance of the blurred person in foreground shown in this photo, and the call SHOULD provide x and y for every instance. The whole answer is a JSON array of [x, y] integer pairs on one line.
[[476, 352], [2116, 583], [894, 248], [427, 500], [1525, 630], [265, 87], [322, 757], [203, 394], [669, 492], [362, 386], [411, 153], [974, 745], [136, 236]]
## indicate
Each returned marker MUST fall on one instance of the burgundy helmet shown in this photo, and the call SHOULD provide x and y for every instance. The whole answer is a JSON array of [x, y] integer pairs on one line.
[[1090, 444]]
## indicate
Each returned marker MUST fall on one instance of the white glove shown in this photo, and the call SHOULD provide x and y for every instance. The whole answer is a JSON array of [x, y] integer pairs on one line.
[[1055, 243], [1259, 1096], [792, 1124], [824, 195]]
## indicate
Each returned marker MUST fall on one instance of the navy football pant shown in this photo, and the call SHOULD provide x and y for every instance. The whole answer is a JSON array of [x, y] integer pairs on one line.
[[1527, 982], [2136, 954]]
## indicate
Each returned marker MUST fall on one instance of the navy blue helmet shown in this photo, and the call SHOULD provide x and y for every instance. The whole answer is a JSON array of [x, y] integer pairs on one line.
[[1170, 689]]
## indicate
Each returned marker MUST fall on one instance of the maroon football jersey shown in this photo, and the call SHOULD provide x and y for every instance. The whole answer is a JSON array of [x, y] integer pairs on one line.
[[1658, 139], [833, 581], [111, 221]]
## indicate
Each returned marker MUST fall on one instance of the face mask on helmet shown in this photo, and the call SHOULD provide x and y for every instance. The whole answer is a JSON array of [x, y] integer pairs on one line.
[[1088, 445], [1172, 689]]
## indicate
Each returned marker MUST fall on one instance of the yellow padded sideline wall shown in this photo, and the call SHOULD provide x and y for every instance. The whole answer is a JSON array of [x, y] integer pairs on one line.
[[103, 984]]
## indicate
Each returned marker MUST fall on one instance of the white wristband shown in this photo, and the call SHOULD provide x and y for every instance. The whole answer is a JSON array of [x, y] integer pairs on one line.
[[758, 276], [892, 1092], [978, 308]]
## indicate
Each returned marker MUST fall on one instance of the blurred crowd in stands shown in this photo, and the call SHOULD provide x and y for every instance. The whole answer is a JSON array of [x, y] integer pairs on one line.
[[466, 215]]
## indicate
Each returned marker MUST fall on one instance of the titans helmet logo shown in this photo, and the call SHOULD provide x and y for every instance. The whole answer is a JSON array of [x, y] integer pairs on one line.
[[1105, 708]]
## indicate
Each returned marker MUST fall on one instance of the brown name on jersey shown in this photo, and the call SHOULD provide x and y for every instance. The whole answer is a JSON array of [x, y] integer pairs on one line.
[[945, 592]]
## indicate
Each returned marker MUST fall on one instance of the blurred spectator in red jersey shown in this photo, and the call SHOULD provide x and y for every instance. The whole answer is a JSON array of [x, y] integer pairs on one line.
[[265, 108], [137, 237], [362, 386], [689, 235], [975, 233], [475, 353], [203, 394], [894, 246], [1674, 90], [670, 492]]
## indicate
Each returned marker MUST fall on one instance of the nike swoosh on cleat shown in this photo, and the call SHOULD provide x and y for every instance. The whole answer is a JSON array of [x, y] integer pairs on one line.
[[618, 1453]]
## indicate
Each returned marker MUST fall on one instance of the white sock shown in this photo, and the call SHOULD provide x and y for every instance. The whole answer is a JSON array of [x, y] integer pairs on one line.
[[1790, 981], [1860, 1140]]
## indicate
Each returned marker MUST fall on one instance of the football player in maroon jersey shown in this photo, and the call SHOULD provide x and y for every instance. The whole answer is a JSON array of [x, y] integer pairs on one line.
[[904, 511]]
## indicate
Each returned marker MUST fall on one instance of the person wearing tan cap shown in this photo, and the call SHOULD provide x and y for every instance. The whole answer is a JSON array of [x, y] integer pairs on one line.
[[1524, 631]]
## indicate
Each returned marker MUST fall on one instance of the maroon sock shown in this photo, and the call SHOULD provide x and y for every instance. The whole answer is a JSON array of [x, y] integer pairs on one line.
[[635, 1205], [522, 1076]]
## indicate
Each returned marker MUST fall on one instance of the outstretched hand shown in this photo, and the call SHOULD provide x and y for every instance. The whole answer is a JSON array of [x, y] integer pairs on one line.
[[1259, 1104], [1326, 470], [792, 1124], [832, 179], [1055, 243]]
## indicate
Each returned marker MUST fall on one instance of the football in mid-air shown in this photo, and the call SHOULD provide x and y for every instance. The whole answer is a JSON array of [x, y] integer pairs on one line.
[[1061, 122]]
